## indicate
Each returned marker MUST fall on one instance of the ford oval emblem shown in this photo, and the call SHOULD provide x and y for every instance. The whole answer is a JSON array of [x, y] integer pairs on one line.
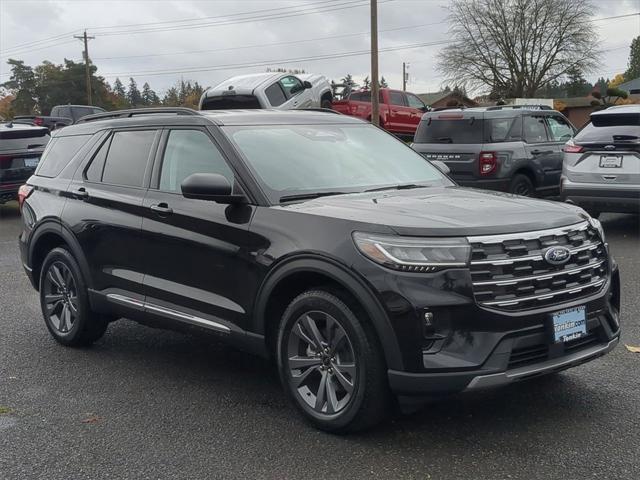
[[557, 255]]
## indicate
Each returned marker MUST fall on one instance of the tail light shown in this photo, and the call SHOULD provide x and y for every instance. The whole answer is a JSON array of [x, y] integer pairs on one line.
[[38, 121], [488, 163], [571, 148], [23, 193]]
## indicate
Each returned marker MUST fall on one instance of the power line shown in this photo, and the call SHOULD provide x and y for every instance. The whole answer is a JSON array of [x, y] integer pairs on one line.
[[291, 42], [274, 62]]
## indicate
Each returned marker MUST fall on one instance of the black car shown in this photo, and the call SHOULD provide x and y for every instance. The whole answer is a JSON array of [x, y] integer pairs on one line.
[[20, 149], [516, 149], [317, 240]]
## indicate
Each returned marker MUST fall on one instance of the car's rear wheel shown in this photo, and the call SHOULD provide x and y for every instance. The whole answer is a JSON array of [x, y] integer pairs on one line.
[[522, 185], [331, 365], [64, 302]]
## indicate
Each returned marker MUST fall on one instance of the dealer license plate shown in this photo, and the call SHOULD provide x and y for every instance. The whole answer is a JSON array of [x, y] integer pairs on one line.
[[31, 161], [569, 324], [610, 161]]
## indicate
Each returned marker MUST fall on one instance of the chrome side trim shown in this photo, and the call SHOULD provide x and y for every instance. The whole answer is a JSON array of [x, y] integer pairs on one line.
[[188, 318], [529, 235], [123, 300], [509, 261], [182, 316], [496, 379], [545, 296], [545, 276]]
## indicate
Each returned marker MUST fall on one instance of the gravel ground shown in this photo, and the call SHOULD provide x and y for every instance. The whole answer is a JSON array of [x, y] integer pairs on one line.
[[150, 404]]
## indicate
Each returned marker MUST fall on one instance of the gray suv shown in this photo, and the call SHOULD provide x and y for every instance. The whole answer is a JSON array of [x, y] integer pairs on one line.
[[601, 170], [515, 149]]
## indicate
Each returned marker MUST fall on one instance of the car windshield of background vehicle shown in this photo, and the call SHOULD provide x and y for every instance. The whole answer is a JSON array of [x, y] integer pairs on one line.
[[300, 159]]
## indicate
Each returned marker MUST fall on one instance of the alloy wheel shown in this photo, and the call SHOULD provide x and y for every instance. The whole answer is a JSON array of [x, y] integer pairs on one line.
[[60, 297], [321, 363]]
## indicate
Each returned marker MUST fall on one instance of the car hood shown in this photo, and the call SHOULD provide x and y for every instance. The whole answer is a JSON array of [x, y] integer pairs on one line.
[[441, 211]]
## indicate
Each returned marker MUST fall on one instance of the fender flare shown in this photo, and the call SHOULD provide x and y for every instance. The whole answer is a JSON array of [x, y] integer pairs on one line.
[[58, 229], [345, 277]]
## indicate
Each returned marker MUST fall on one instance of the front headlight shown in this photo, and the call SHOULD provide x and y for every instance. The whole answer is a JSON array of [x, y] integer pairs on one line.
[[595, 223], [413, 254]]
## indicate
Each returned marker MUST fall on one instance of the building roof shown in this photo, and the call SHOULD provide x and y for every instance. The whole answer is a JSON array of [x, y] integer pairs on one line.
[[434, 97], [576, 102], [630, 85]]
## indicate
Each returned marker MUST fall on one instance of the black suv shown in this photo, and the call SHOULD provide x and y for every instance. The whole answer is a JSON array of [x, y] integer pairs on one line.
[[516, 149], [317, 240]]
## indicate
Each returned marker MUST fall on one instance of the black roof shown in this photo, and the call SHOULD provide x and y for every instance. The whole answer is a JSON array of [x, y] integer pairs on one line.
[[185, 116]]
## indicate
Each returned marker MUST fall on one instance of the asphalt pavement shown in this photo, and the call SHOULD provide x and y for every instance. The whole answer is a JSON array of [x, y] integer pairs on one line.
[[150, 404]]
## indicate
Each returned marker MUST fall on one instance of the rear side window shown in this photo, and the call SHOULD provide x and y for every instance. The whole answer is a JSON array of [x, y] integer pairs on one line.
[[559, 129], [396, 98], [59, 153], [363, 97], [275, 95], [127, 157]]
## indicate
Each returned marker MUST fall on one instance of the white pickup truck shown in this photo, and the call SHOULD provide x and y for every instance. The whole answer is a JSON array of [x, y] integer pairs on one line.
[[282, 91]]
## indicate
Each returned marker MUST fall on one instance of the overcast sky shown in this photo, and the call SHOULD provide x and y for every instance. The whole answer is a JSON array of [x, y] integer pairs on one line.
[[160, 41]]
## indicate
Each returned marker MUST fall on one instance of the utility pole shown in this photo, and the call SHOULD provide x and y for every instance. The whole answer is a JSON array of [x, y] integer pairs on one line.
[[375, 86], [404, 77], [87, 69]]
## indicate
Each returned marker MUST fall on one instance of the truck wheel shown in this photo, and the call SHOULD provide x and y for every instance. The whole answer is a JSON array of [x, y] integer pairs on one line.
[[522, 185], [64, 302], [326, 104], [331, 365]]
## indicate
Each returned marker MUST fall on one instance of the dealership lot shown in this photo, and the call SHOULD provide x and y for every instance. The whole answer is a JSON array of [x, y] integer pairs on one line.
[[146, 403]]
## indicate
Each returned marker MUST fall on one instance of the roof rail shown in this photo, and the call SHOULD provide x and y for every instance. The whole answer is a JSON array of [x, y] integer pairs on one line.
[[137, 111], [320, 109], [527, 107]]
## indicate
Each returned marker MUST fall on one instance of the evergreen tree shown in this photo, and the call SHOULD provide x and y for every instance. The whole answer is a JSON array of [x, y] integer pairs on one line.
[[22, 84], [349, 81], [366, 83], [383, 83], [118, 88], [133, 94], [171, 98], [633, 71], [149, 97]]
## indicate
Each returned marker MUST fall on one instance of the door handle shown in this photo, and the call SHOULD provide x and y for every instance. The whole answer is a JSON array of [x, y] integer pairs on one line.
[[162, 209], [541, 152], [81, 193]]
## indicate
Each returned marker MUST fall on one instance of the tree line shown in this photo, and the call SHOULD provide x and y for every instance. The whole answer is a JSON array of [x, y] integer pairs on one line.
[[35, 90]]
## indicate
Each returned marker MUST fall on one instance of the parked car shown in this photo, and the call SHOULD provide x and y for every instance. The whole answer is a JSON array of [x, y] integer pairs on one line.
[[512, 149], [283, 91], [321, 242], [400, 112], [601, 169], [20, 149], [61, 116]]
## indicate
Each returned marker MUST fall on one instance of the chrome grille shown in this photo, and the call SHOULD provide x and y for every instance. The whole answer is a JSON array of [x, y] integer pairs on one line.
[[509, 272]]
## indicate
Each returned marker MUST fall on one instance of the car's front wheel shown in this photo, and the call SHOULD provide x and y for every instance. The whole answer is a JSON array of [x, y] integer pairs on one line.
[[64, 302], [330, 363], [522, 185]]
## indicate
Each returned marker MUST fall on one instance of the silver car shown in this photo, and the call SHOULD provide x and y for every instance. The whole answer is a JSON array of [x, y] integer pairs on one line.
[[283, 91], [601, 167]]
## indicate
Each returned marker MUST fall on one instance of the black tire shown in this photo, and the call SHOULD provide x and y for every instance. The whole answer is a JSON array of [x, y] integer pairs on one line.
[[326, 104], [357, 350], [522, 185], [65, 304]]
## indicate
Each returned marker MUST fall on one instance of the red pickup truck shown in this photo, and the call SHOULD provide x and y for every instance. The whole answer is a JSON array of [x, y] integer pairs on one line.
[[400, 112]]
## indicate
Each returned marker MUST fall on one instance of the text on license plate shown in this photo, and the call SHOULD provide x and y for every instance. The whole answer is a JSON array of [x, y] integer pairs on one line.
[[610, 161], [31, 161], [569, 324]]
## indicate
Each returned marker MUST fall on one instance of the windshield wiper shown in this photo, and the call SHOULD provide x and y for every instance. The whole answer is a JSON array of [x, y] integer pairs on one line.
[[406, 186], [309, 196]]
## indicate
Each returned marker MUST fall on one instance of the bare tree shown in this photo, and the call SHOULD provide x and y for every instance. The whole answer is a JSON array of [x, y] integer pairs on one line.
[[512, 48]]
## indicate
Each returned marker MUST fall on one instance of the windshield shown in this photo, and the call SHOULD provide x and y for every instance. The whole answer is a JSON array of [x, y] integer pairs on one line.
[[292, 160]]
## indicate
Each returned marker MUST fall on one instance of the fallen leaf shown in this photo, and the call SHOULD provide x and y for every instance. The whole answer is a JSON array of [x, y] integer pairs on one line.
[[633, 349], [5, 410], [92, 419]]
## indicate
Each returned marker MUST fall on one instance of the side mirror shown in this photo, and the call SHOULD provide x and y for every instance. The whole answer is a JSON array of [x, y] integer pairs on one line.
[[440, 165], [209, 186], [307, 84]]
